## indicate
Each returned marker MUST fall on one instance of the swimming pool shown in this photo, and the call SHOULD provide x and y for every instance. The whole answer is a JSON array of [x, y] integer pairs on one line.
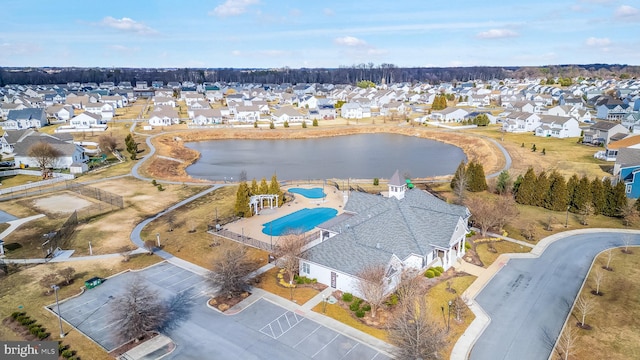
[[299, 221], [315, 193]]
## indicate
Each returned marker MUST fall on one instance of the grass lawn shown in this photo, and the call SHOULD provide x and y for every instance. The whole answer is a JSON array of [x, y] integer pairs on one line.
[[345, 316], [15, 180], [439, 296], [615, 319], [269, 282], [565, 155], [21, 288], [502, 247]]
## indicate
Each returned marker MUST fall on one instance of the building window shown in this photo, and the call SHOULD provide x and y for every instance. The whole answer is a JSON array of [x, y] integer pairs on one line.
[[628, 189], [305, 268]]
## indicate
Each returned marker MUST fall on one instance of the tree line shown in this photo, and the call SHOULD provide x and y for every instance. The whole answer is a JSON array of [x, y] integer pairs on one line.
[[346, 74], [245, 191]]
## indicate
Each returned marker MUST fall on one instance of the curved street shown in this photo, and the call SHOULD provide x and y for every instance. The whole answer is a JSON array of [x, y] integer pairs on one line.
[[529, 299]]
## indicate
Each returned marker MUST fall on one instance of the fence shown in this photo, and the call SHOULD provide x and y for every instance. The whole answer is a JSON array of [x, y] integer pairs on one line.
[[95, 193], [60, 238], [246, 240], [57, 177]]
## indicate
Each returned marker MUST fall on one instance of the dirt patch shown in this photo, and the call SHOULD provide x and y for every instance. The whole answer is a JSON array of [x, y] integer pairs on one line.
[[224, 303], [62, 203]]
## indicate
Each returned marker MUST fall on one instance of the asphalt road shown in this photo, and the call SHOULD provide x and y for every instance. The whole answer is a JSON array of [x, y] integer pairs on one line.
[[528, 300]]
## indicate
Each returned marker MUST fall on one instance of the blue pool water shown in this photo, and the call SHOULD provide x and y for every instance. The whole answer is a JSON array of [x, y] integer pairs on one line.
[[299, 221], [315, 193]]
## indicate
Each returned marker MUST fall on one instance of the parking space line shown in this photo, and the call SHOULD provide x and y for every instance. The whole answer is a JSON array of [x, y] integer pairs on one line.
[[273, 335], [325, 345], [350, 350], [178, 282], [305, 338], [376, 355], [73, 307]]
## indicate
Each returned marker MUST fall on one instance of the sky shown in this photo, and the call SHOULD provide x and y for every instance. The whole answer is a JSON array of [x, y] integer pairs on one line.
[[311, 33]]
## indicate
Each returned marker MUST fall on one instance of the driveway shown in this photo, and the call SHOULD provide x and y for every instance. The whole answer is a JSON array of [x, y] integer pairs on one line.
[[262, 331], [528, 300]]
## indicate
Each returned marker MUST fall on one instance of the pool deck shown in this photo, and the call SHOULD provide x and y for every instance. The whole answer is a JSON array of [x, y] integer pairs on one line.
[[252, 227]]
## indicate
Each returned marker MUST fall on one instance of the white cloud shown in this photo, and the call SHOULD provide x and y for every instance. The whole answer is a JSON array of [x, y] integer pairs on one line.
[[232, 8], [350, 41], [123, 49], [626, 12], [593, 41], [127, 24], [328, 11], [496, 34]]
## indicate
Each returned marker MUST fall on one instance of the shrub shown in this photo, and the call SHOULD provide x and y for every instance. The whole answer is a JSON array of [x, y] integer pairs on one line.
[[21, 317], [272, 125], [27, 321], [304, 124], [306, 280], [299, 280], [366, 307], [62, 347], [16, 314], [440, 269], [34, 326], [34, 331], [376, 181], [154, 182], [393, 300], [347, 297], [430, 274], [43, 335], [467, 246], [360, 313], [315, 122], [255, 124], [286, 124], [355, 306], [67, 353], [160, 188]]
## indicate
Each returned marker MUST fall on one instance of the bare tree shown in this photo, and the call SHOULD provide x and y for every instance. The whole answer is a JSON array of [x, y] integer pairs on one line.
[[626, 239], [460, 308], [598, 276], [45, 155], [414, 333], [609, 258], [584, 306], [585, 211], [149, 245], [48, 280], [529, 231], [67, 274], [372, 285], [230, 270], [409, 286], [192, 225], [138, 312], [170, 219], [460, 185], [567, 342], [484, 213], [107, 143], [507, 210], [288, 251], [629, 214], [549, 223]]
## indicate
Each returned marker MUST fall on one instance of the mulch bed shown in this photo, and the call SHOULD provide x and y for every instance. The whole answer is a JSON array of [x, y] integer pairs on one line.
[[19, 329], [224, 303], [131, 344], [583, 327]]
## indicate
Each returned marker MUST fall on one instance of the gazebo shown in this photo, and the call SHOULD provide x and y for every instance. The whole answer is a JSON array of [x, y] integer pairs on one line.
[[256, 202]]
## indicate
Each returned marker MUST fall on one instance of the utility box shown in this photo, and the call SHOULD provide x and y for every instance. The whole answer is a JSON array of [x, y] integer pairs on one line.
[[93, 282]]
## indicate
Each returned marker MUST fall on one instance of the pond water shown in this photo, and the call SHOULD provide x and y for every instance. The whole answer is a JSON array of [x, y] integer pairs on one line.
[[361, 156]]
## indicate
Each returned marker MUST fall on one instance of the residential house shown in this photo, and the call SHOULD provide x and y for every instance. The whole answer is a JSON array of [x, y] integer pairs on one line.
[[117, 101], [449, 114], [6, 107], [9, 139], [627, 169], [601, 132], [612, 148], [492, 119], [85, 120], [409, 229], [394, 107], [106, 111], [558, 127], [164, 116], [60, 112], [287, 113], [164, 101], [246, 113], [353, 110], [206, 117], [613, 112], [518, 121], [70, 152], [24, 119]]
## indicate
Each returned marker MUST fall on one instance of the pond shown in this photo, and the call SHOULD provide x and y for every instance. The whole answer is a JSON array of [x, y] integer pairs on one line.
[[361, 156]]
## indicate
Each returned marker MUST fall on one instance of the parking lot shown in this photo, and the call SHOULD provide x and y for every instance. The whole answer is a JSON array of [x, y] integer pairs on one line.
[[262, 330]]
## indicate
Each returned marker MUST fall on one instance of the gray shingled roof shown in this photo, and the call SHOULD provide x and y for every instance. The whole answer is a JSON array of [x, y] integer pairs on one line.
[[628, 157], [22, 148], [385, 227]]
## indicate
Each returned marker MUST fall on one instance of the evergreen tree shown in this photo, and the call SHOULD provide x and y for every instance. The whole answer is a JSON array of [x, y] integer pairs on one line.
[[477, 179], [618, 199], [132, 146], [242, 200], [557, 197], [609, 202], [582, 195], [527, 188], [572, 186], [598, 196], [254, 187], [541, 190], [274, 189], [264, 187], [516, 185], [503, 183], [460, 173]]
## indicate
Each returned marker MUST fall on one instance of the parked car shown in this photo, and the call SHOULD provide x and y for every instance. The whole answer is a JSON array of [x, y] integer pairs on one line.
[[7, 164]]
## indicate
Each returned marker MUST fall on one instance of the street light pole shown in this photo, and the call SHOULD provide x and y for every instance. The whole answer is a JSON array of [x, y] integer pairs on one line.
[[449, 319], [158, 239], [324, 304], [566, 221], [55, 289]]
